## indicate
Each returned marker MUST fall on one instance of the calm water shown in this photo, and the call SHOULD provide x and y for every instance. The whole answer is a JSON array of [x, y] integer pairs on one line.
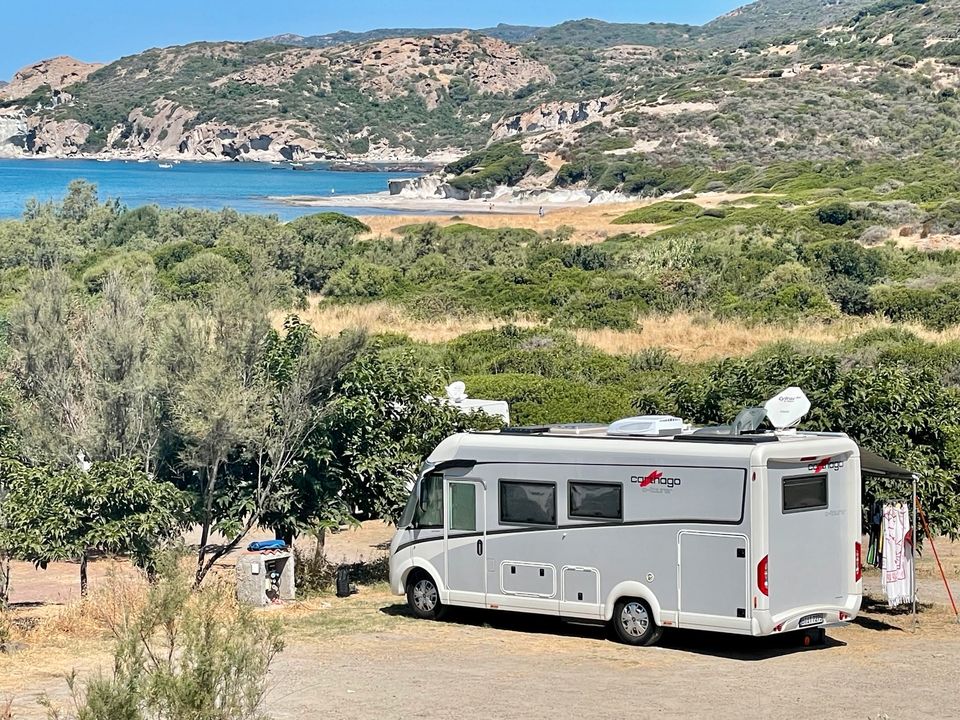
[[242, 186]]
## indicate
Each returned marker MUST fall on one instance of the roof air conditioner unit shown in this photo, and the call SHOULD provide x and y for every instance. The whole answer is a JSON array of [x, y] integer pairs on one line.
[[647, 426]]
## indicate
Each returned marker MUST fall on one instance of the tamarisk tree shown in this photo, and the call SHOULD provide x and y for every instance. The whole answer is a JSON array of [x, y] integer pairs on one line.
[[244, 427]]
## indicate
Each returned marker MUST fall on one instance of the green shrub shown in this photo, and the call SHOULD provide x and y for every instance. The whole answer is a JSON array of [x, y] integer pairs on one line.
[[361, 279], [838, 213], [314, 228], [128, 264], [171, 253], [503, 164], [145, 220], [199, 275], [535, 400], [183, 655], [660, 213]]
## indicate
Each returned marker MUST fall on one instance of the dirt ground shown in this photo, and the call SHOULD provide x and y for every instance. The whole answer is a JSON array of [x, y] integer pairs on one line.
[[365, 657]]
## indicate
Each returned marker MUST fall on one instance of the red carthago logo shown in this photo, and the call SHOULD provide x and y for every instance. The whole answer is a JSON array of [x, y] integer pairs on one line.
[[651, 478], [826, 463], [655, 480]]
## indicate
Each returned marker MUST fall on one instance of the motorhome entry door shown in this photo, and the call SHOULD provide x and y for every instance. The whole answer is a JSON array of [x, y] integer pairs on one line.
[[465, 540]]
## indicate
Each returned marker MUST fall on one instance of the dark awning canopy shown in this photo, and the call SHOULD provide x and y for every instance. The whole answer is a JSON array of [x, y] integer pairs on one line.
[[876, 466]]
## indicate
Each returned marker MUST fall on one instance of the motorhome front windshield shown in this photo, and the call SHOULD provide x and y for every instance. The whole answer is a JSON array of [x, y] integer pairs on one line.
[[425, 506]]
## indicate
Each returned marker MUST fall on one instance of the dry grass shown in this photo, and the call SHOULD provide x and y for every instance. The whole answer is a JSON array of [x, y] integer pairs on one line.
[[380, 317], [591, 223], [694, 338], [688, 336]]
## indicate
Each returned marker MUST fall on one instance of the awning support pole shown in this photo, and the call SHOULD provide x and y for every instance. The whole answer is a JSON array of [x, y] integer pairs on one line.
[[913, 553], [943, 575]]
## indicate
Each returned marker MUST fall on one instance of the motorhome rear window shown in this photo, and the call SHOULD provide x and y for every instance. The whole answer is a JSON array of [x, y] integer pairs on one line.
[[808, 492], [596, 500], [527, 503]]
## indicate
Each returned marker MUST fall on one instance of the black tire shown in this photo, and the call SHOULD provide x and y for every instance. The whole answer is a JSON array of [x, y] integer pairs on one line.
[[423, 596], [633, 623]]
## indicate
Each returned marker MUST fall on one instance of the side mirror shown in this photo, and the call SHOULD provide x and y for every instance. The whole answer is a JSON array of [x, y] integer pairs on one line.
[[422, 496]]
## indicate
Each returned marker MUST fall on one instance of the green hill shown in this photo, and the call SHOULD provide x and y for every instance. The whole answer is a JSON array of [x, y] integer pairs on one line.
[[632, 107]]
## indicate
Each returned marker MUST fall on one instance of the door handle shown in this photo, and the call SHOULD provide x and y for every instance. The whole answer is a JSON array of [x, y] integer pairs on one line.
[[479, 547]]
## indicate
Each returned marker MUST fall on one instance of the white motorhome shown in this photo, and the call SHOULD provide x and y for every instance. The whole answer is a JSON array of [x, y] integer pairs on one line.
[[645, 524]]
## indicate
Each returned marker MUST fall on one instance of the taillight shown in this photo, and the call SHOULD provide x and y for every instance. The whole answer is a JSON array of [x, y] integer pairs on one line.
[[858, 567], [762, 578]]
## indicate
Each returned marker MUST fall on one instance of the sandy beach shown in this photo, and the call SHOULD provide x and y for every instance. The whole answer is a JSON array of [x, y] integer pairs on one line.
[[588, 222], [441, 206]]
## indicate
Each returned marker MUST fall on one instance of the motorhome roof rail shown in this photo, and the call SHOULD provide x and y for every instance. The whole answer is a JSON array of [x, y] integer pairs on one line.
[[526, 430]]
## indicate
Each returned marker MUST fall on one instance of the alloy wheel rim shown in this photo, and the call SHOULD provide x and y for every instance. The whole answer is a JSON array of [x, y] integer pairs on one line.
[[425, 595], [634, 619]]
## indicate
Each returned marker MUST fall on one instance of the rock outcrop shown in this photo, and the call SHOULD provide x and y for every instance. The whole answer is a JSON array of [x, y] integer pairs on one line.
[[59, 73], [276, 68], [431, 64], [55, 138], [168, 130], [553, 116], [427, 187]]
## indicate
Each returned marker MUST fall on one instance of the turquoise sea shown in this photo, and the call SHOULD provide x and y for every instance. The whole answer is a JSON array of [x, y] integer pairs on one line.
[[242, 186]]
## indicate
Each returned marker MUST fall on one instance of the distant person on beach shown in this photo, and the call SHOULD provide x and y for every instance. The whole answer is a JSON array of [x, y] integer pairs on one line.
[[540, 212]]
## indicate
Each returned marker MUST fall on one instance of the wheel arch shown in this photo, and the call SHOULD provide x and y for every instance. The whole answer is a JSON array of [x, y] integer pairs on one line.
[[421, 565], [632, 589]]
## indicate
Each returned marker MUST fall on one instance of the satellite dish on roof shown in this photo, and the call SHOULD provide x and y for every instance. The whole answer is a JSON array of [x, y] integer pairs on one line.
[[787, 408], [457, 391]]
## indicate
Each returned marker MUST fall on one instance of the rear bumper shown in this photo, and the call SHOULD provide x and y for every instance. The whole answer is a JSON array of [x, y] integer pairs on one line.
[[764, 623]]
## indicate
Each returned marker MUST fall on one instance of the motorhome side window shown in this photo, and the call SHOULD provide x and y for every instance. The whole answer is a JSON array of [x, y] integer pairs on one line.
[[596, 500], [430, 508], [808, 492], [528, 503]]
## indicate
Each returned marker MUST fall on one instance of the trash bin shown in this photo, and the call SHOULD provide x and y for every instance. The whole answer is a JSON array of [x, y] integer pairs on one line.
[[343, 581]]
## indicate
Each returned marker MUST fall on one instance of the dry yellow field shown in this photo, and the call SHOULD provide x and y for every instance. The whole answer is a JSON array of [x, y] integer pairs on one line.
[[590, 223], [687, 336]]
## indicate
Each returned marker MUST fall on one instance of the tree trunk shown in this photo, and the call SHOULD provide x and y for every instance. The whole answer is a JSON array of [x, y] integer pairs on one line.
[[206, 524], [4, 580], [83, 574], [321, 535]]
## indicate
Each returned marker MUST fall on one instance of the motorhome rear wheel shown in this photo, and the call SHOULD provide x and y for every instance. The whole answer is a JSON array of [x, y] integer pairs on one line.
[[633, 623]]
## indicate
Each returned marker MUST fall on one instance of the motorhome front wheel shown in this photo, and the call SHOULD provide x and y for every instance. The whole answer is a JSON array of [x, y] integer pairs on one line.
[[423, 596]]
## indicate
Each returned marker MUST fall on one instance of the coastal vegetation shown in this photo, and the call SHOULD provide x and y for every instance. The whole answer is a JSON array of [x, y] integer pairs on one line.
[[173, 349]]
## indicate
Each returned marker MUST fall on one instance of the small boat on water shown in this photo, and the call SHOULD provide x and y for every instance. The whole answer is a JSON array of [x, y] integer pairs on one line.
[[143, 160], [165, 166]]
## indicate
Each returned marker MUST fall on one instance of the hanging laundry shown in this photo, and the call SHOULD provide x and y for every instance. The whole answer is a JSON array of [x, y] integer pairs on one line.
[[897, 550]]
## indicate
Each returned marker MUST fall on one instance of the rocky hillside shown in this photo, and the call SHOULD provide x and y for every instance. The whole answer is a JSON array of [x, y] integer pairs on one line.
[[582, 104], [51, 75]]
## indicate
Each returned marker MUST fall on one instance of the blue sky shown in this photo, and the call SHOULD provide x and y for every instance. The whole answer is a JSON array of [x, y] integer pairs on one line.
[[104, 30]]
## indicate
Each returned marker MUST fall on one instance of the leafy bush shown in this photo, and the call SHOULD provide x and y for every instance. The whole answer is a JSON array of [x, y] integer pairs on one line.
[[503, 164], [838, 213], [660, 213], [535, 400], [183, 655], [126, 264], [308, 227], [200, 274], [360, 279]]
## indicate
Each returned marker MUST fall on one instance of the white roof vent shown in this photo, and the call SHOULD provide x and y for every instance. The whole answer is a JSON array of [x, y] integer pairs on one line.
[[787, 408], [647, 426], [457, 392]]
